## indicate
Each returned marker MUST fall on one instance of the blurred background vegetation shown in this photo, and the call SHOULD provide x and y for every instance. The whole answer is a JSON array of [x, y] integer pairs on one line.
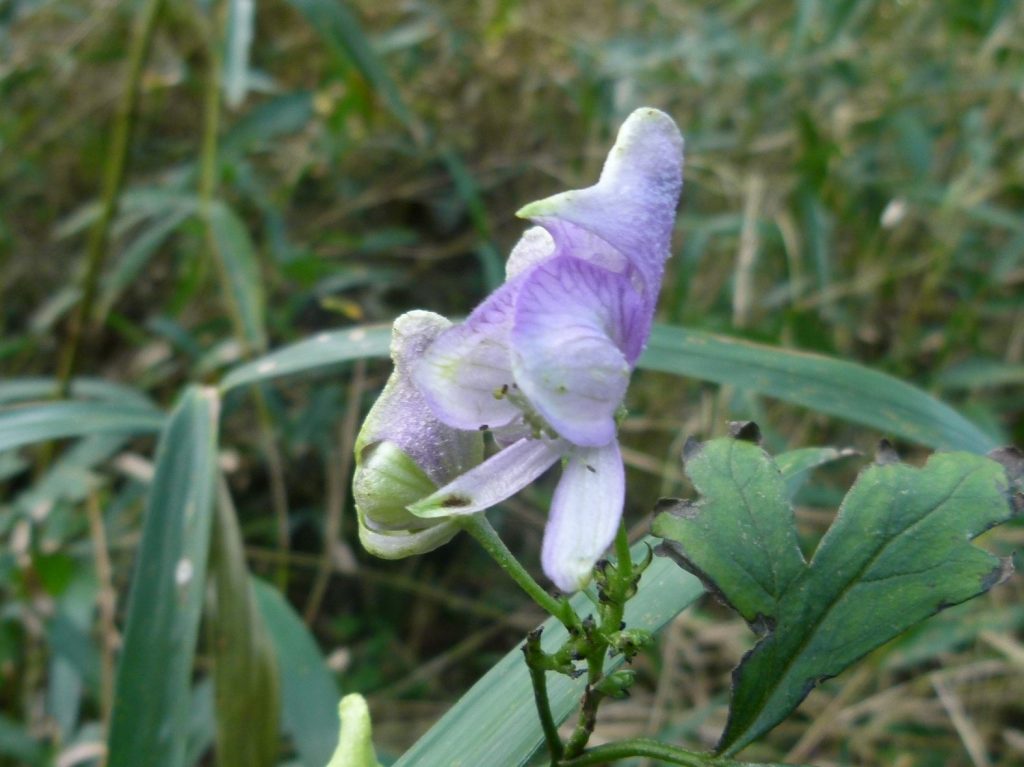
[[854, 186]]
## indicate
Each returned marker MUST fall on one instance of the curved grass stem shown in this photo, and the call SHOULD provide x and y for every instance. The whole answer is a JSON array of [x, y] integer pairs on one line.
[[113, 180]]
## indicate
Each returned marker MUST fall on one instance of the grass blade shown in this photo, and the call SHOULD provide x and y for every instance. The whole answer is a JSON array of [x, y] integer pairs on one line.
[[837, 387], [56, 420], [843, 389], [241, 270], [309, 695], [42, 388], [150, 720], [247, 695], [323, 350]]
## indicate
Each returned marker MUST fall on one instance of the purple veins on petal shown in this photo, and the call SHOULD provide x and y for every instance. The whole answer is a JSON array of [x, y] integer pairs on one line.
[[577, 331], [585, 514]]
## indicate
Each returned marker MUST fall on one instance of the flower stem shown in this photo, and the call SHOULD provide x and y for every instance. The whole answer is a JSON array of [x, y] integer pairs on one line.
[[478, 526], [624, 749], [535, 663], [622, 553], [613, 595]]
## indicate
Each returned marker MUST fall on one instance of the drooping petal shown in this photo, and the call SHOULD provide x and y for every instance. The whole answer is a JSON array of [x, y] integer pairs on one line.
[[632, 207], [585, 514], [502, 475], [464, 371], [574, 339]]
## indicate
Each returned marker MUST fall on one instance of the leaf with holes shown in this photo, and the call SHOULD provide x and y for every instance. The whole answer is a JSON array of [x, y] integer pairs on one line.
[[898, 551]]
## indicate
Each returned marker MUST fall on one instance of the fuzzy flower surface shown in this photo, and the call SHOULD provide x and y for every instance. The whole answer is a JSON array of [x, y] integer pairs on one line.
[[544, 361], [403, 452]]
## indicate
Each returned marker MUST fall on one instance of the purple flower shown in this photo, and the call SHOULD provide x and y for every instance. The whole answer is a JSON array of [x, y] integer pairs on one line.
[[545, 360]]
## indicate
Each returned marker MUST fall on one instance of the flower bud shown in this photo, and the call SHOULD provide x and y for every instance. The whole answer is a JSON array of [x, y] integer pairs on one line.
[[617, 684], [403, 453]]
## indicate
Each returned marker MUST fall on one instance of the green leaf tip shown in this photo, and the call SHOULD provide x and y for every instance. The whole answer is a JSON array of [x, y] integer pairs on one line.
[[898, 552], [355, 747]]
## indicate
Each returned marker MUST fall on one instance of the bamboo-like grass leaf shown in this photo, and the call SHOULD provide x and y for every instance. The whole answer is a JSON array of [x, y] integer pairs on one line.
[[323, 350], [898, 551], [237, 258], [42, 388], [309, 694], [150, 719], [837, 387], [56, 420], [246, 687]]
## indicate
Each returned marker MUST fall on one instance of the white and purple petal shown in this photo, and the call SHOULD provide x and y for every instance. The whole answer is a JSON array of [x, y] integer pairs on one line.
[[585, 514], [462, 374], [499, 477], [576, 332]]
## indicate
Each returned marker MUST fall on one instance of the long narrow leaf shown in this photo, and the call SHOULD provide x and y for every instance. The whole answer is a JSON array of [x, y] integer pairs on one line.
[[241, 269], [56, 420], [309, 695], [843, 389], [41, 388], [321, 351], [837, 387], [150, 720], [247, 696]]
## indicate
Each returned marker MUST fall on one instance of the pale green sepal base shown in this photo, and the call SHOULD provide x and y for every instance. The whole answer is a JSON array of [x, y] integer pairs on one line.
[[355, 746]]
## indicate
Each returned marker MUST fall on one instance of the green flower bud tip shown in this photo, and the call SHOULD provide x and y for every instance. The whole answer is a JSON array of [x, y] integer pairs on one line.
[[355, 746]]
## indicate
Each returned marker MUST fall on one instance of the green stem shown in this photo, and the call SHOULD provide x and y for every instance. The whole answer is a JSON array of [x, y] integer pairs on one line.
[[113, 180], [538, 677], [478, 526], [625, 749], [616, 593], [623, 556]]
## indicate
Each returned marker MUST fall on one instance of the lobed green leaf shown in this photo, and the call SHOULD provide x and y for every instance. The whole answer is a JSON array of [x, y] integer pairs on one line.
[[898, 551]]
